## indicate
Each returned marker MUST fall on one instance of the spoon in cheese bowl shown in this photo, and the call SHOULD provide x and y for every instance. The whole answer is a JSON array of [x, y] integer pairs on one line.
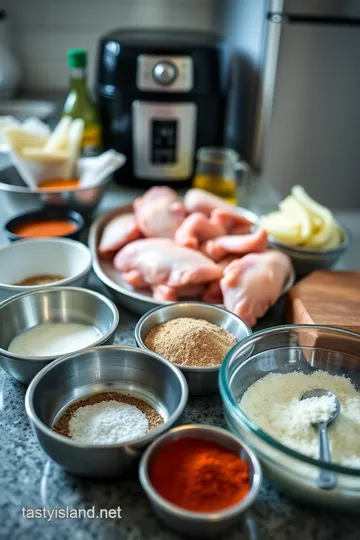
[[327, 409]]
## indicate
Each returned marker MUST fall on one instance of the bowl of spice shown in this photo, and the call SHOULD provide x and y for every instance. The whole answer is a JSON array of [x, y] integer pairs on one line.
[[28, 265], [39, 326], [49, 222], [200, 479], [94, 412], [194, 336], [262, 382]]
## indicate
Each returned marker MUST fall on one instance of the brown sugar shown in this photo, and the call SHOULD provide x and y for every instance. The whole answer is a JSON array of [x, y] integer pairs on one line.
[[190, 342]]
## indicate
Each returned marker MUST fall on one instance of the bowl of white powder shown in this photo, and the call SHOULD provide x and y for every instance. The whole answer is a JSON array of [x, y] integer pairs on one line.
[[94, 412], [38, 327], [261, 383]]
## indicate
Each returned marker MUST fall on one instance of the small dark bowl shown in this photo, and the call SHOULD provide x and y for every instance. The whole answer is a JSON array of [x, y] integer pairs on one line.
[[46, 213]]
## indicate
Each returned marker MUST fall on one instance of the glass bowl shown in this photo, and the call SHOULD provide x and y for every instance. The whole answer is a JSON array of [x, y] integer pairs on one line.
[[287, 349]]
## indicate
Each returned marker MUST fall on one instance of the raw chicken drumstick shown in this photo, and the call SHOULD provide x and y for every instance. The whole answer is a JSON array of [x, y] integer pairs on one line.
[[119, 231], [253, 284], [221, 246], [159, 212], [156, 261]]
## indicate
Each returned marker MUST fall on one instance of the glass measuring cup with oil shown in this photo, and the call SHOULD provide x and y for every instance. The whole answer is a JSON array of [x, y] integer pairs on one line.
[[217, 171]]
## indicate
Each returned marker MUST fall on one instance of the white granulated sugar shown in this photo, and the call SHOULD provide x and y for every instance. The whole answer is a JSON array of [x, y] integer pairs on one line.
[[108, 422], [273, 403]]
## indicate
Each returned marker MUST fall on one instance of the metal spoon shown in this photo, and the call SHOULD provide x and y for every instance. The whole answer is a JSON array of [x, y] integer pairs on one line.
[[326, 479]]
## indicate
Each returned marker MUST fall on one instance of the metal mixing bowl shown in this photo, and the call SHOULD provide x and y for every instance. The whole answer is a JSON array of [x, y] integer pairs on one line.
[[76, 376], [289, 349], [25, 258], [201, 380], [306, 260], [63, 304], [20, 198], [191, 523]]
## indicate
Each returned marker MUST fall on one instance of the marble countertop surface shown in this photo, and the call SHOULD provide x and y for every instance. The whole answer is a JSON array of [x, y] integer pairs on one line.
[[30, 480]]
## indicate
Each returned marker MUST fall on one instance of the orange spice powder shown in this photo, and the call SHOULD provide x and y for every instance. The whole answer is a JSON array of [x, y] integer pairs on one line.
[[199, 475], [45, 227]]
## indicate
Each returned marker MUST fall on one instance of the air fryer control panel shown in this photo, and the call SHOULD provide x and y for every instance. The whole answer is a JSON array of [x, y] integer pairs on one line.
[[163, 139], [164, 73]]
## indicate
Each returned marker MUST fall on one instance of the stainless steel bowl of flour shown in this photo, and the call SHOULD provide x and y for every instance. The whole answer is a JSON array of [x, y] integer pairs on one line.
[[281, 363], [41, 315], [127, 370], [201, 380]]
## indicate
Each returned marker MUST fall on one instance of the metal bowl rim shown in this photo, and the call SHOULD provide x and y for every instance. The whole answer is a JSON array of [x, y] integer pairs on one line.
[[197, 517], [140, 440], [4, 186], [298, 250], [188, 369], [69, 241], [238, 415], [57, 290]]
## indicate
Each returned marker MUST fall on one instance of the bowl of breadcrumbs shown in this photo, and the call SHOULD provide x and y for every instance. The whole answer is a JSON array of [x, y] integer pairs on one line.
[[194, 336]]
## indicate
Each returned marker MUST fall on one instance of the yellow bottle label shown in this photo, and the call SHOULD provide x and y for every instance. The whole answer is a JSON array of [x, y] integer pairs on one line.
[[91, 143]]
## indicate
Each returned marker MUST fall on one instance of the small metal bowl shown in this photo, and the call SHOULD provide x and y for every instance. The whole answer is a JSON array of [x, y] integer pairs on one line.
[[201, 380], [19, 196], [31, 257], [76, 376], [198, 524], [307, 260], [48, 214], [63, 304]]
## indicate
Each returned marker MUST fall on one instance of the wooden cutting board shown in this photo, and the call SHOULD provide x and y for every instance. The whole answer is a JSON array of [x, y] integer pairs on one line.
[[326, 297]]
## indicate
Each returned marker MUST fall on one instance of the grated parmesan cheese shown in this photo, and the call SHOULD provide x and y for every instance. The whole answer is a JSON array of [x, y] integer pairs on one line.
[[273, 403]]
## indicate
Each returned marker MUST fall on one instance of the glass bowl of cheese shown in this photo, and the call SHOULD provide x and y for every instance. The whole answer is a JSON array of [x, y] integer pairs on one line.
[[261, 382]]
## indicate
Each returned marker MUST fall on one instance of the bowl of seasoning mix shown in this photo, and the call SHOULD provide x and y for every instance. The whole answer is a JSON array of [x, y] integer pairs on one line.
[[181, 473], [39, 326], [49, 222], [28, 265], [194, 336], [94, 412]]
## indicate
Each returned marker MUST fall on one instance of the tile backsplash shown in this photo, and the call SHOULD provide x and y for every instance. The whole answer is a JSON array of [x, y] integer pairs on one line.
[[42, 30]]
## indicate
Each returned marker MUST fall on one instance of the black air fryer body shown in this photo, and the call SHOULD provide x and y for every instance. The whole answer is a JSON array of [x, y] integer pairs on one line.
[[161, 97]]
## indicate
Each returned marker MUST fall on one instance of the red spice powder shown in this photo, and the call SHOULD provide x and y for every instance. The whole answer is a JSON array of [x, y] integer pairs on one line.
[[46, 227], [199, 475]]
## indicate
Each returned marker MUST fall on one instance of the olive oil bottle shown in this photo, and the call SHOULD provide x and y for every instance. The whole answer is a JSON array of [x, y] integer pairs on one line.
[[78, 103]]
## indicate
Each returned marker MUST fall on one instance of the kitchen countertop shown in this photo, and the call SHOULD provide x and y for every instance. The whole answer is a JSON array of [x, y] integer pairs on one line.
[[30, 480]]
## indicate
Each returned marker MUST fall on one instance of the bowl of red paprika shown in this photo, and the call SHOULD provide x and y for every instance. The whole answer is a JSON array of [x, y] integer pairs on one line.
[[46, 223], [200, 479]]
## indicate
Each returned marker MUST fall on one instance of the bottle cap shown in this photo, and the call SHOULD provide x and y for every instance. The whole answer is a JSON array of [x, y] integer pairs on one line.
[[77, 58]]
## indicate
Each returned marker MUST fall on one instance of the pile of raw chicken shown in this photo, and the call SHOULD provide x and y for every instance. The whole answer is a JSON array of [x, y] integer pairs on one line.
[[200, 247]]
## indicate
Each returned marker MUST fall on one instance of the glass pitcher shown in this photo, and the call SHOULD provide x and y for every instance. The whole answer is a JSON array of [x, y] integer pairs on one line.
[[217, 171]]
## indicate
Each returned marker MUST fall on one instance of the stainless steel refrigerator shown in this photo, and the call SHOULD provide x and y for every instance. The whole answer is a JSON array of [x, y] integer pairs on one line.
[[301, 121]]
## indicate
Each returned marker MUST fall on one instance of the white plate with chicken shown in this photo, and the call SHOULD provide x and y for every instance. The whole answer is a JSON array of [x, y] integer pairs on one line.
[[162, 249]]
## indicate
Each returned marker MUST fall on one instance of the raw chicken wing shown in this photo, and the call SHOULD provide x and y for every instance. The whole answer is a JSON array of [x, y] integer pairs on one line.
[[252, 284], [199, 200], [159, 212], [197, 228], [119, 231], [213, 293], [161, 261], [219, 247], [232, 223]]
